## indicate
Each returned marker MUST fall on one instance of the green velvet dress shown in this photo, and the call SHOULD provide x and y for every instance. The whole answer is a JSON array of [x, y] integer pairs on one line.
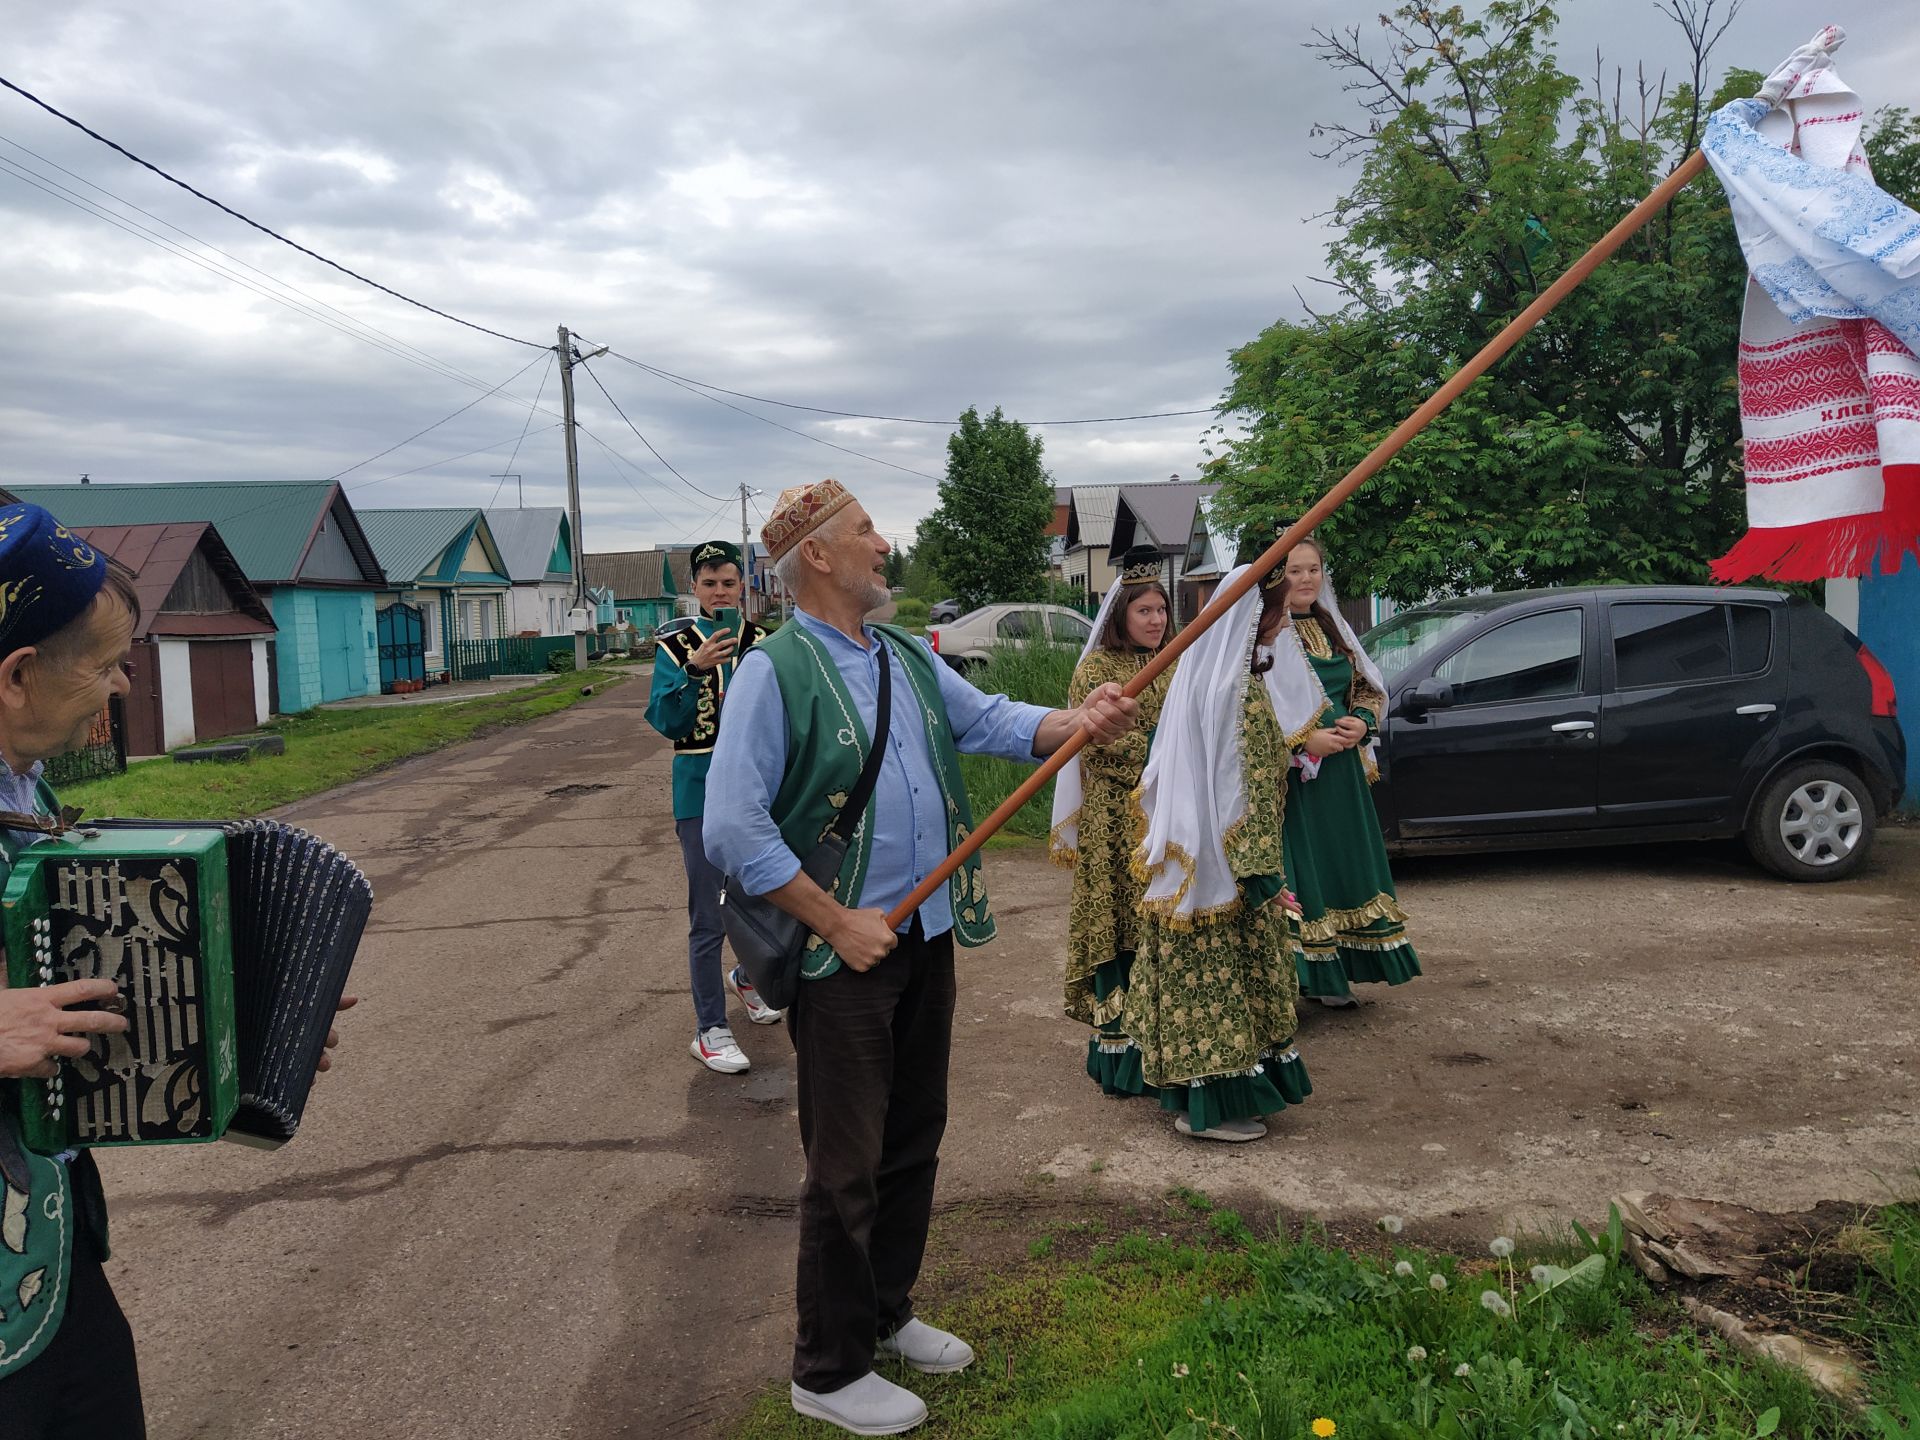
[[1103, 919], [1209, 1009], [1352, 928]]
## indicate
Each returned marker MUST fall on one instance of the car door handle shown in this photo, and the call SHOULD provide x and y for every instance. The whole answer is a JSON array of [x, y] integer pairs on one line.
[[1755, 710], [1573, 727]]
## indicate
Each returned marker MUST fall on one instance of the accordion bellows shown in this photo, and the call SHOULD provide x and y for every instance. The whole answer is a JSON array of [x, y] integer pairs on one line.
[[231, 944]]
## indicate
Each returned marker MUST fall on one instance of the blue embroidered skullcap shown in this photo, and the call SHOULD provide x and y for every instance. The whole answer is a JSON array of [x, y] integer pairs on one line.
[[48, 575]]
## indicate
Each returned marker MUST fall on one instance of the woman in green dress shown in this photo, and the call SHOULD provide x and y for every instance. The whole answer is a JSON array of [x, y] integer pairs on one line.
[[1353, 930], [1210, 1001], [1093, 826]]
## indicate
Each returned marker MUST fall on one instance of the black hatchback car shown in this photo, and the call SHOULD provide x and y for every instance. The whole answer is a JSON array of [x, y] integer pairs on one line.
[[1624, 714]]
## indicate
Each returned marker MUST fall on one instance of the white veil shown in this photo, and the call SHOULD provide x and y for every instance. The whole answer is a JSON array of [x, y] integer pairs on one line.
[[1063, 835]]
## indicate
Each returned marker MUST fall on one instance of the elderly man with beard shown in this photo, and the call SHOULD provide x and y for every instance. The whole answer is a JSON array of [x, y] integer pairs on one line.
[[873, 1022]]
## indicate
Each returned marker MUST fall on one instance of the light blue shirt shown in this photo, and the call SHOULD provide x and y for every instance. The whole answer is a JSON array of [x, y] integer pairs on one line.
[[909, 816]]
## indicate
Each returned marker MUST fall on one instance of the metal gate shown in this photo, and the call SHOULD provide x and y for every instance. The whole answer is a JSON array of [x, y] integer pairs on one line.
[[401, 633]]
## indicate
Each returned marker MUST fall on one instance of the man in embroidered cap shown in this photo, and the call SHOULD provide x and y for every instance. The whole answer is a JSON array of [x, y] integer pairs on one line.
[[874, 1019], [692, 667], [67, 1366]]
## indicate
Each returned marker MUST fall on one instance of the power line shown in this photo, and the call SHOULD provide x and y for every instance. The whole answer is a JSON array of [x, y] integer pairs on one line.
[[435, 465], [263, 229], [643, 439], [266, 275], [523, 429], [141, 232], [768, 420], [443, 420], [893, 419]]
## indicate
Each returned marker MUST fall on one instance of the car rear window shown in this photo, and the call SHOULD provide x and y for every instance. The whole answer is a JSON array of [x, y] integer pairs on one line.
[[1752, 638], [1680, 643]]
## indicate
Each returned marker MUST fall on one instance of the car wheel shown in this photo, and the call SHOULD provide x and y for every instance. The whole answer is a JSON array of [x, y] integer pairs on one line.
[[1813, 822]]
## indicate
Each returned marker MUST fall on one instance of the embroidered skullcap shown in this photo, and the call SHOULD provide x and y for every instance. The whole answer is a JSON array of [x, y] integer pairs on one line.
[[713, 552], [1141, 565], [800, 510], [48, 575]]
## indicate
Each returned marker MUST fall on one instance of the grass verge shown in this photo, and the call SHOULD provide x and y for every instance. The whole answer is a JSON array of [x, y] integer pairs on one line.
[[1222, 1335], [1038, 673], [325, 748]]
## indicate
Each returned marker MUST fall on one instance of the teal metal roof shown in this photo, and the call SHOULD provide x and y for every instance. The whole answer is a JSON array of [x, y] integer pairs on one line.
[[267, 524], [428, 545]]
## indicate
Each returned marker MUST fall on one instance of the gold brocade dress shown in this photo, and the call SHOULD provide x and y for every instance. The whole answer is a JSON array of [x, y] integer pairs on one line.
[[1211, 1005], [1103, 921]]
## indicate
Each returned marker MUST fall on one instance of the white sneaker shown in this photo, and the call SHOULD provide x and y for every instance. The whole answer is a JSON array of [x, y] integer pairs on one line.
[[758, 1011], [930, 1351], [869, 1406], [716, 1050], [1233, 1132]]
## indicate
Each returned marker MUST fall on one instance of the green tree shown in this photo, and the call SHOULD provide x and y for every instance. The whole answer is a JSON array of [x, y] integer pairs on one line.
[[896, 567], [995, 503], [1605, 446]]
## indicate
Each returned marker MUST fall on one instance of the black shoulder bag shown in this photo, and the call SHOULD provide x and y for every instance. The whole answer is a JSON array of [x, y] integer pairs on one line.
[[769, 942]]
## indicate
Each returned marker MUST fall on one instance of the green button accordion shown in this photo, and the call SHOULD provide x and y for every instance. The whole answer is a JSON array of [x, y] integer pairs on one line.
[[231, 946]]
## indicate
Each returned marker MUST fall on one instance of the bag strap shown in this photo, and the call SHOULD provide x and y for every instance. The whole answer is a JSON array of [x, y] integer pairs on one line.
[[862, 792]]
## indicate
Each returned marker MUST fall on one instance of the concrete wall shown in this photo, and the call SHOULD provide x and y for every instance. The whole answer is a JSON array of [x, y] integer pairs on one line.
[[263, 712], [176, 693], [1888, 608]]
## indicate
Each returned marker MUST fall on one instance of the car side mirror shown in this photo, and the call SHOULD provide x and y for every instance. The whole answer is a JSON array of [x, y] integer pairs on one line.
[[1432, 693]]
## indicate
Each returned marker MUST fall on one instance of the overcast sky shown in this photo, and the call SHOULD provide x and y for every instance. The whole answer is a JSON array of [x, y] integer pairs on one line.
[[1069, 209]]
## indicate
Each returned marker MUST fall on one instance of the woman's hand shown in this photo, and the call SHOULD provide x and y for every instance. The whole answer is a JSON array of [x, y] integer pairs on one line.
[[1352, 728], [1324, 742]]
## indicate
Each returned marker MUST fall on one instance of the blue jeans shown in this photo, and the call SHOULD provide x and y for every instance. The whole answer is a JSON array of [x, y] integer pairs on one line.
[[703, 927]]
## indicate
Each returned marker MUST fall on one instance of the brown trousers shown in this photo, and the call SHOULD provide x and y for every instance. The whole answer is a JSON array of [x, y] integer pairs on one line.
[[871, 1050]]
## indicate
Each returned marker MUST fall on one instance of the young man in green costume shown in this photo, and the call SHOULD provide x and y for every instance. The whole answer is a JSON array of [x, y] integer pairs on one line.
[[874, 1019], [67, 1369], [692, 667]]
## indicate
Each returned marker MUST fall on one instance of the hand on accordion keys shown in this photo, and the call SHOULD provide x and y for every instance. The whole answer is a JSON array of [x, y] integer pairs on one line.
[[37, 1026], [347, 1002]]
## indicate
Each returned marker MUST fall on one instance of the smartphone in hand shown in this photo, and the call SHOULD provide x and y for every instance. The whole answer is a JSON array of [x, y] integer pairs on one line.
[[727, 617]]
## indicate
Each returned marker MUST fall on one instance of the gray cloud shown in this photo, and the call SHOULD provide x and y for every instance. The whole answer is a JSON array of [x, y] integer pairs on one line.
[[1068, 209]]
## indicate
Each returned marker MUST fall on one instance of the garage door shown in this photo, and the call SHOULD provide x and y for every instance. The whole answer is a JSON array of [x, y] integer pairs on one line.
[[223, 699]]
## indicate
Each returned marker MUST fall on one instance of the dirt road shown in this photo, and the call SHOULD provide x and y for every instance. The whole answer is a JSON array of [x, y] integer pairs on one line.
[[519, 1208]]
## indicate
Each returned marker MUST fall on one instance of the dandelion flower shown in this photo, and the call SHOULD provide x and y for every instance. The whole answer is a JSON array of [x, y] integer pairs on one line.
[[1416, 1354], [1502, 1247], [1494, 1301], [1324, 1428], [1392, 1224], [1462, 1370], [1180, 1370], [1541, 1274], [1437, 1281], [1403, 1268]]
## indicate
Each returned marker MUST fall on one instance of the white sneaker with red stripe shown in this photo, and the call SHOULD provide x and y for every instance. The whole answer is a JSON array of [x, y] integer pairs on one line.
[[758, 1011], [716, 1050]]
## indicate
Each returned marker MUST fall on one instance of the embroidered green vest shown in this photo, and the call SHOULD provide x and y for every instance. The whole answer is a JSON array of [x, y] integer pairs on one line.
[[826, 746], [37, 1222]]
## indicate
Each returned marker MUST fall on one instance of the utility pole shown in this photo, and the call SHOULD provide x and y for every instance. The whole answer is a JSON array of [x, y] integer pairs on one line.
[[746, 543], [565, 351]]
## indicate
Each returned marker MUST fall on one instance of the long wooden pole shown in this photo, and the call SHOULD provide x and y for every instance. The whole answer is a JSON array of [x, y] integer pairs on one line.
[[1277, 552]]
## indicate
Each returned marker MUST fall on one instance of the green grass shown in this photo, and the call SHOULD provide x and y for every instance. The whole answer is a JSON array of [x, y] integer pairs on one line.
[[1237, 1338], [1038, 673], [1888, 1321], [325, 748]]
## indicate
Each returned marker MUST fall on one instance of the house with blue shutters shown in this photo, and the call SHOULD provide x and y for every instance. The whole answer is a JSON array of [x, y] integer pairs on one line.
[[300, 545], [447, 565]]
